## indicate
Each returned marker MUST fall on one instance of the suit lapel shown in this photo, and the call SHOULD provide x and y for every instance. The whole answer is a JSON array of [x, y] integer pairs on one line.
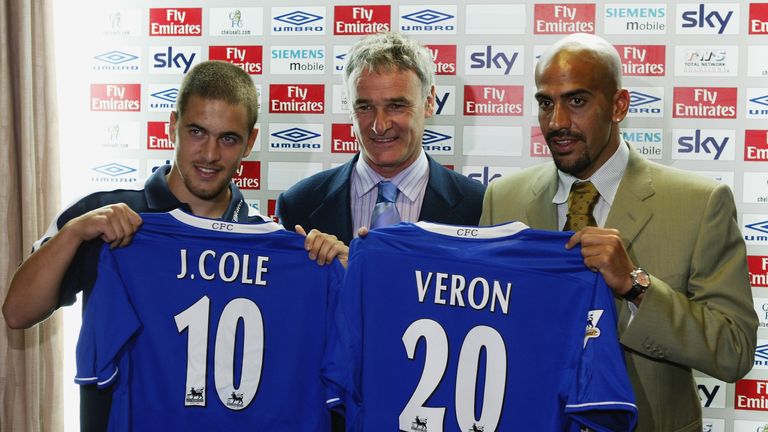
[[540, 212], [441, 196], [334, 214], [629, 212]]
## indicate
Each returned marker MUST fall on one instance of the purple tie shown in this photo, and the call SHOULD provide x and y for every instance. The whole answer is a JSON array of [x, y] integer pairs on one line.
[[385, 212]]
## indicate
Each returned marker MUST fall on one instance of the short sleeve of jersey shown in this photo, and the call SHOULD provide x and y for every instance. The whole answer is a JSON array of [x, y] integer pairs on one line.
[[102, 337]]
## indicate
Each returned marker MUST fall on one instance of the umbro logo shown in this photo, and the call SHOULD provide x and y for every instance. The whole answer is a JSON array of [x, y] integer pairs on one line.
[[296, 135], [431, 137], [114, 169], [115, 57], [168, 95], [298, 18], [761, 226], [636, 98], [427, 16], [760, 100]]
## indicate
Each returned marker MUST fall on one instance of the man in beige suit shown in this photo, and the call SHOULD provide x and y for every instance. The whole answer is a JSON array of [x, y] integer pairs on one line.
[[690, 305]]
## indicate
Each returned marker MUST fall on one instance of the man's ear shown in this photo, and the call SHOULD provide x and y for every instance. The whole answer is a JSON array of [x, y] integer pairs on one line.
[[621, 105], [429, 104], [172, 126]]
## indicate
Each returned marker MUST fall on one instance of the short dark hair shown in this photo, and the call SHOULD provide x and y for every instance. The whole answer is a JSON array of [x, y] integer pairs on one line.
[[220, 80]]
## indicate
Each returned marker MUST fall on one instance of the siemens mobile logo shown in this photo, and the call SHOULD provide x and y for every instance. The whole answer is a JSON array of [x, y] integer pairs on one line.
[[162, 98], [643, 60], [434, 20], [704, 144], [289, 138], [175, 21], [564, 18], [493, 60], [646, 102], [361, 20], [635, 19], [173, 59], [647, 141], [704, 102], [438, 140], [247, 57], [297, 59], [707, 18], [125, 60], [292, 22]]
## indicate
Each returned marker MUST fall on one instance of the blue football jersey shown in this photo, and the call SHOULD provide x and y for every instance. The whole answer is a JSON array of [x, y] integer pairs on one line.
[[204, 324], [454, 328]]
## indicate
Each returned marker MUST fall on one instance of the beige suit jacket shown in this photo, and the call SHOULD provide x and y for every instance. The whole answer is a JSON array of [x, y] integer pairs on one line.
[[698, 313]]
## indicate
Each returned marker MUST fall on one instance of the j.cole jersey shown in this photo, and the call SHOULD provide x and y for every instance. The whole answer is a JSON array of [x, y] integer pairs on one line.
[[454, 328], [204, 324]]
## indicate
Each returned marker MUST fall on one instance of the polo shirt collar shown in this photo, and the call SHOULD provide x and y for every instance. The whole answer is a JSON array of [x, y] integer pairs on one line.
[[160, 198]]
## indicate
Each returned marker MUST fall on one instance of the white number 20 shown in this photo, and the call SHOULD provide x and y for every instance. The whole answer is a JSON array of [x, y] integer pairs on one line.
[[435, 363], [196, 319]]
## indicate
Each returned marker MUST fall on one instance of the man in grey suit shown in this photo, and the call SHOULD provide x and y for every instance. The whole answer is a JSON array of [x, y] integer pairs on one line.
[[666, 241], [391, 87]]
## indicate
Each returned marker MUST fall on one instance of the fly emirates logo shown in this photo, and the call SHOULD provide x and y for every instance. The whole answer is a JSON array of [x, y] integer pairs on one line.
[[175, 21], [361, 20], [705, 102]]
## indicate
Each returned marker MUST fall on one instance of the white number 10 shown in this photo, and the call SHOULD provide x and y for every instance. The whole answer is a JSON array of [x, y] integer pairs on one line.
[[196, 319], [435, 363]]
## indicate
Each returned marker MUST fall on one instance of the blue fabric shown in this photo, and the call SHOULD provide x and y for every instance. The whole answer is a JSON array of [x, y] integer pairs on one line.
[[520, 299], [240, 307]]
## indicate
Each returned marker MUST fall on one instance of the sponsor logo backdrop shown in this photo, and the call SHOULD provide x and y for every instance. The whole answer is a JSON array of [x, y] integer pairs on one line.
[[697, 72]]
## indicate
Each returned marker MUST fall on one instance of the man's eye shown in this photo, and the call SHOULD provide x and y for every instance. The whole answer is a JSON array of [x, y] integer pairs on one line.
[[578, 101]]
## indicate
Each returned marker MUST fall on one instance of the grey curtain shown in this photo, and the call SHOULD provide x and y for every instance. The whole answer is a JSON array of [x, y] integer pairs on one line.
[[30, 360]]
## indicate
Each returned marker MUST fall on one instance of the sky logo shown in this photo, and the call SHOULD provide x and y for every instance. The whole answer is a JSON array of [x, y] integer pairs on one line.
[[432, 137], [115, 57], [114, 169], [296, 135], [298, 18], [168, 95], [427, 16]]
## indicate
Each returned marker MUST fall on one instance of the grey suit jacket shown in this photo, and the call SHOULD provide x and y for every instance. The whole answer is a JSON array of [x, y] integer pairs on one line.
[[698, 313]]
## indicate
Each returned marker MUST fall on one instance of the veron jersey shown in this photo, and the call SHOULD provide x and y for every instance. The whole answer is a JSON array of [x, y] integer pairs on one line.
[[452, 328], [205, 324]]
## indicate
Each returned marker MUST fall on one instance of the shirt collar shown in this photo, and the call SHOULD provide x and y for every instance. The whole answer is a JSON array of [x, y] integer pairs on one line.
[[404, 180], [606, 179], [160, 197]]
